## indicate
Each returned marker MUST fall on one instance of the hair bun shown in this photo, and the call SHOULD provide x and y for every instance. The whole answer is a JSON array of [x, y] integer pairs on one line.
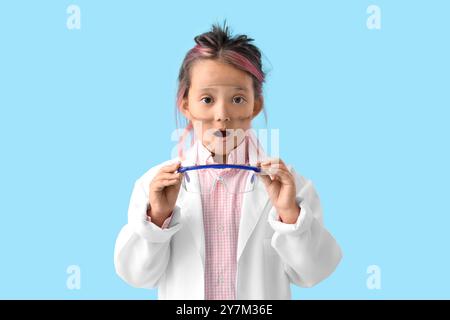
[[216, 38]]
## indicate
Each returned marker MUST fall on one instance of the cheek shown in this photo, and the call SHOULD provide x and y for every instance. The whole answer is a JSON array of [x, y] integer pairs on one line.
[[245, 113], [199, 112], [243, 122], [203, 130]]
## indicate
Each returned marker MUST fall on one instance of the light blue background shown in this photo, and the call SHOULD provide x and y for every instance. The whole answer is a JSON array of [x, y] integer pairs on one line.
[[363, 113]]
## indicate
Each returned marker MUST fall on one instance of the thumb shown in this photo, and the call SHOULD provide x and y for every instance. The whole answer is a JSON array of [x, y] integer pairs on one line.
[[266, 180]]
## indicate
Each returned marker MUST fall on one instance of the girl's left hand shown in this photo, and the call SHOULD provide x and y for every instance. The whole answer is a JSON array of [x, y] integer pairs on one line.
[[280, 185]]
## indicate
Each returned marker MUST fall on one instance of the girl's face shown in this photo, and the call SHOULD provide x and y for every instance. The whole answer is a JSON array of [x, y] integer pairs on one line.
[[221, 105]]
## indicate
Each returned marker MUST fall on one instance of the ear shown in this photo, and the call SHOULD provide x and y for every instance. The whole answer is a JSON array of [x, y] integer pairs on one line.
[[184, 108], [258, 106]]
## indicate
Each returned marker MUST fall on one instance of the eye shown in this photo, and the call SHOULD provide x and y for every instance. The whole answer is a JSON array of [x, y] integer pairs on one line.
[[238, 100], [206, 100]]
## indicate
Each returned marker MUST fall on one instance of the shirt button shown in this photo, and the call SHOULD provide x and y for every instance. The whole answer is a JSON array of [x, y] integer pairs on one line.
[[220, 228]]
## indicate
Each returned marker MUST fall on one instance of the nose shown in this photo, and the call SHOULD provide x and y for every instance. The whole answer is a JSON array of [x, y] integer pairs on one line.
[[221, 112]]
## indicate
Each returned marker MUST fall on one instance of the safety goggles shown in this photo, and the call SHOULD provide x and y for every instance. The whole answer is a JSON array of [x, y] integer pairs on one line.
[[203, 179]]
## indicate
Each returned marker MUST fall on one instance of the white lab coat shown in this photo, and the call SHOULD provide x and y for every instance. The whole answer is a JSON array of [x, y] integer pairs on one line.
[[270, 254]]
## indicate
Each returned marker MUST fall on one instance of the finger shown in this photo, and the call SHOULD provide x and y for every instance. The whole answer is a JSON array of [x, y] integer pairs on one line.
[[269, 169], [160, 184], [169, 182], [273, 170], [171, 167], [285, 176], [272, 166], [166, 176], [275, 162], [266, 180], [280, 170]]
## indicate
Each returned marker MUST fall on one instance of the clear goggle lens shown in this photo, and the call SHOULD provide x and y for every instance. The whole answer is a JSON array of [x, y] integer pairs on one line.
[[234, 178]]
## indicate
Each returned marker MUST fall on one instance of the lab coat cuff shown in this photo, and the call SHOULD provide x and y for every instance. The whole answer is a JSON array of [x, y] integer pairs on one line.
[[153, 233], [302, 224], [166, 222]]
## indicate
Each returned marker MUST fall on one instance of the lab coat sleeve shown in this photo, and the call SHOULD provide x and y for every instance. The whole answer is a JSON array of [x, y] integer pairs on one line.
[[142, 248], [308, 251]]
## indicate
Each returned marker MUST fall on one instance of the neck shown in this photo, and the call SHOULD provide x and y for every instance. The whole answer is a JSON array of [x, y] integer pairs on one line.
[[220, 158]]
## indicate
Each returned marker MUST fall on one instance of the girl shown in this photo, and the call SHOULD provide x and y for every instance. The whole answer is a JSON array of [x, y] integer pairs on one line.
[[223, 240]]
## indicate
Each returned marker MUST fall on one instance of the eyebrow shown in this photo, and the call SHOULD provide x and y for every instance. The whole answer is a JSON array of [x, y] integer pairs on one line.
[[214, 89]]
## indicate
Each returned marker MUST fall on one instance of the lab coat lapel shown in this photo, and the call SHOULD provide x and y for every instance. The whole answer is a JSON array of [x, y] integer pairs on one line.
[[191, 207], [254, 202]]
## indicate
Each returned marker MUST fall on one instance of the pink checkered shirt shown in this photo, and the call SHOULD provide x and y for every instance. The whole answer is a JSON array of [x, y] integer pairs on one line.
[[221, 216]]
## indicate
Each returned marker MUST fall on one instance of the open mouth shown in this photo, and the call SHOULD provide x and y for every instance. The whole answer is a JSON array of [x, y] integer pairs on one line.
[[221, 133]]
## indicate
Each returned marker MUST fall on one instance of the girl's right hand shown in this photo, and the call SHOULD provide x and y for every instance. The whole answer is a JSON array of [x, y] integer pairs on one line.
[[164, 190]]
